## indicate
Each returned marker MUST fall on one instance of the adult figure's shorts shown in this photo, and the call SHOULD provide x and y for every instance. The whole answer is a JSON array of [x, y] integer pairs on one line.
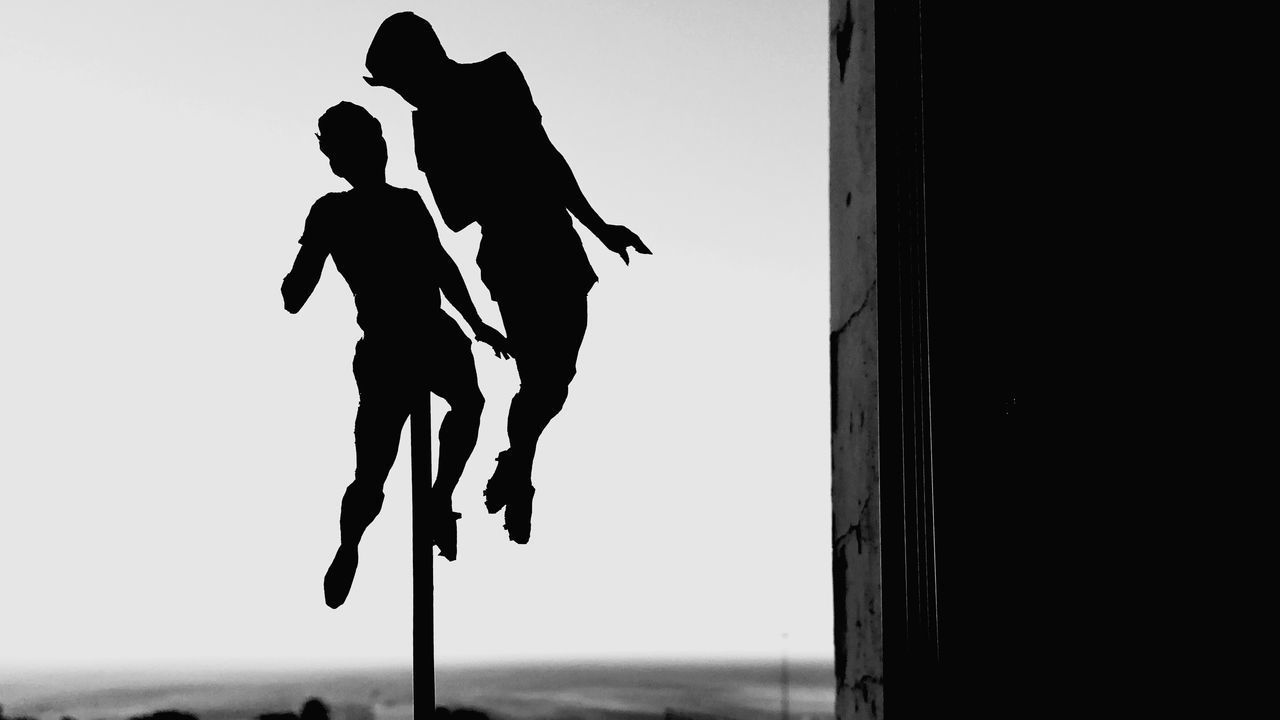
[[545, 331], [538, 273]]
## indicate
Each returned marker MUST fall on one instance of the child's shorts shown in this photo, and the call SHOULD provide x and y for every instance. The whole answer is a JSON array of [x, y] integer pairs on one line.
[[400, 369]]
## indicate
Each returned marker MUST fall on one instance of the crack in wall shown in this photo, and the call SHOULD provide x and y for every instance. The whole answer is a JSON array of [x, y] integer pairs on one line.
[[855, 530], [866, 299]]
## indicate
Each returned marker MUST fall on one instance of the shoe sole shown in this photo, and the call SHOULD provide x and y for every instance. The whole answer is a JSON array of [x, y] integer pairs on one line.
[[453, 547], [493, 502], [496, 494]]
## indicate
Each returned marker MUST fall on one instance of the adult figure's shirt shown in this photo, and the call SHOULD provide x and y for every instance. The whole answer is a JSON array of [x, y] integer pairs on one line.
[[385, 245], [484, 153]]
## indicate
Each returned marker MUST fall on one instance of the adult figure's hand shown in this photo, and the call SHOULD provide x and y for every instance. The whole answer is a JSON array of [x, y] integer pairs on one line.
[[618, 238]]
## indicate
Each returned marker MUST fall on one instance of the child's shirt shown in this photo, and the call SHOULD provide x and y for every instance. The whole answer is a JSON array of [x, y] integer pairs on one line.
[[384, 243]]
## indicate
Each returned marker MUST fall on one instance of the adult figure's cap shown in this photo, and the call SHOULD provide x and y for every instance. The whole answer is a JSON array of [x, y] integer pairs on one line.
[[403, 43]]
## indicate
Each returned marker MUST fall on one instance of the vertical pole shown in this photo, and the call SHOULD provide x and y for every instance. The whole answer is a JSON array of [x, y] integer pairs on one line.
[[424, 651]]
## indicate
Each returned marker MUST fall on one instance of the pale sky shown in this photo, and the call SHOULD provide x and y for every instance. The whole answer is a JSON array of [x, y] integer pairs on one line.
[[176, 445]]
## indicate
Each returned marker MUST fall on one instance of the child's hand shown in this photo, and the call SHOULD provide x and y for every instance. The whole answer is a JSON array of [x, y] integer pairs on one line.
[[493, 339]]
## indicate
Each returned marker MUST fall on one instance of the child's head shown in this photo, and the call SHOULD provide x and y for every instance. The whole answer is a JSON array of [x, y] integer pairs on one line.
[[352, 139]]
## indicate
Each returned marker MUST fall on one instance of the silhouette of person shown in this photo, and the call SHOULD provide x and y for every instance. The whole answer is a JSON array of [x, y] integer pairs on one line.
[[384, 243], [479, 140]]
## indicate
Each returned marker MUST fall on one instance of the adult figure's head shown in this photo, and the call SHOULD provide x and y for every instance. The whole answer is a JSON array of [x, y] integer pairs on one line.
[[405, 56], [352, 140]]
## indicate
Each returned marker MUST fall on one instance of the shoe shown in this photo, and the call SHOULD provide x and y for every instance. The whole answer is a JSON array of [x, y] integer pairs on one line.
[[444, 530], [506, 478], [519, 513], [337, 582]]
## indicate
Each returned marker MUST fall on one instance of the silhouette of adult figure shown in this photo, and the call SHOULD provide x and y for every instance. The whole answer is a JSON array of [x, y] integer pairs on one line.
[[479, 140], [384, 243]]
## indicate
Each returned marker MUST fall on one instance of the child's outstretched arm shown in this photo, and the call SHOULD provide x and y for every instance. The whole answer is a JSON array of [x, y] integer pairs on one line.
[[302, 279], [454, 289]]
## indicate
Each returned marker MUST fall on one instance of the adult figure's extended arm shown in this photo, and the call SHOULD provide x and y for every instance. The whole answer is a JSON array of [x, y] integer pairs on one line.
[[615, 237]]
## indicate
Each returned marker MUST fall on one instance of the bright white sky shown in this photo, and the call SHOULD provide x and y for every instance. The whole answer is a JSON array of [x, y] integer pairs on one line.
[[175, 445]]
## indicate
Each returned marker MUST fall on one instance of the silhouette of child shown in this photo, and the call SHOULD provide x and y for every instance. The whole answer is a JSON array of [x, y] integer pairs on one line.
[[384, 243]]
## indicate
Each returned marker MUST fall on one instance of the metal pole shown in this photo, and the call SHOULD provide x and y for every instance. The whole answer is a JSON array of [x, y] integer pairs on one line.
[[424, 652]]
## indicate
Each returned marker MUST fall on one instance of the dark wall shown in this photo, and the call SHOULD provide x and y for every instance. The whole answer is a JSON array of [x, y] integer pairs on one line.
[[985, 168]]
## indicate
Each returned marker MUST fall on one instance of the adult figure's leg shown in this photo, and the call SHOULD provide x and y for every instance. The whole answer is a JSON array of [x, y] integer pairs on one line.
[[545, 332]]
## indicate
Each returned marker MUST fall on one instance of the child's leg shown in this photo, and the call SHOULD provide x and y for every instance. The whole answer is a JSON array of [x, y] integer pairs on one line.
[[384, 407], [379, 423]]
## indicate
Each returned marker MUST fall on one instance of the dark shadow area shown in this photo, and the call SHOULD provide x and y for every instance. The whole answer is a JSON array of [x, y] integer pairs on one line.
[[1016, 582]]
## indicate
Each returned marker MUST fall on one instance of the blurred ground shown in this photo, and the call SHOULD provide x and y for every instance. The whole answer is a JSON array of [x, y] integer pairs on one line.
[[608, 691]]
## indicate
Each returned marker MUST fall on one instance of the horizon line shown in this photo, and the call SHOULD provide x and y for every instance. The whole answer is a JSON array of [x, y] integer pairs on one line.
[[166, 667]]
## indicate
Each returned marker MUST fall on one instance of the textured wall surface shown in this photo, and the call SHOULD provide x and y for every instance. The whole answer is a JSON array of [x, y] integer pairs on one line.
[[855, 402]]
